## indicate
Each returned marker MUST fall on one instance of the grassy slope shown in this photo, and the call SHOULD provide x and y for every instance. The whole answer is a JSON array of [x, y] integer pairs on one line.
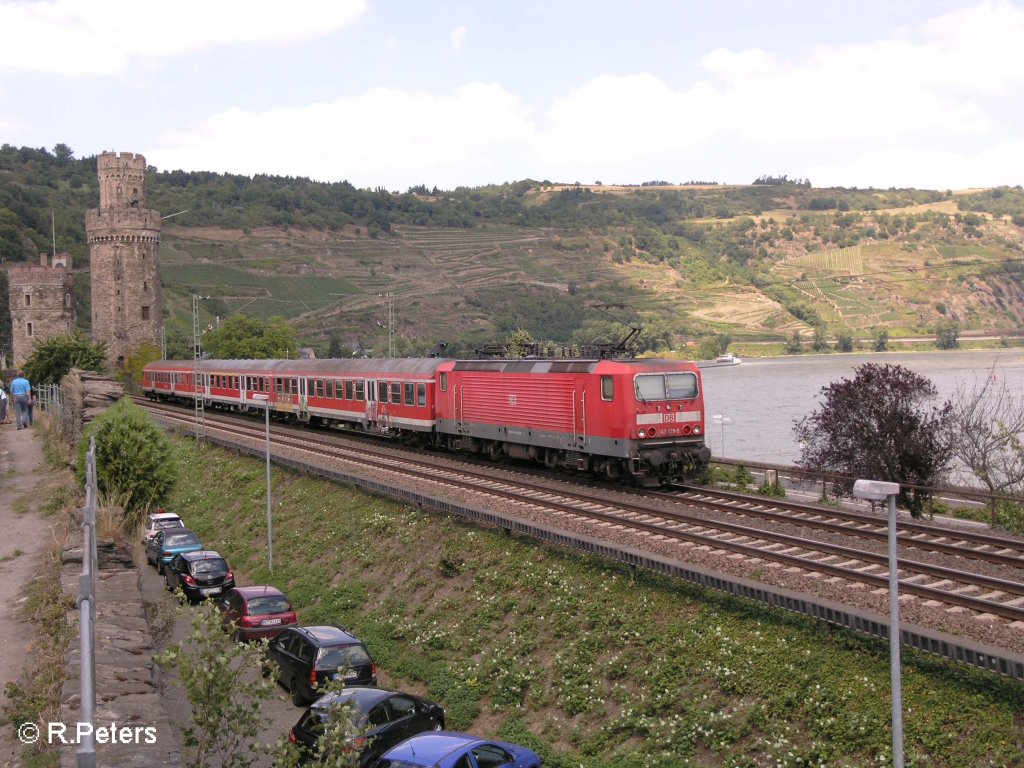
[[575, 657]]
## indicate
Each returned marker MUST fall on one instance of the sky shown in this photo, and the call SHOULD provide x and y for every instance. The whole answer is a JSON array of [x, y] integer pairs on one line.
[[448, 93]]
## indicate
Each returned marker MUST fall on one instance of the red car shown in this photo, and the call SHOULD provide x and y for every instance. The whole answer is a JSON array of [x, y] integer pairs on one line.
[[257, 612]]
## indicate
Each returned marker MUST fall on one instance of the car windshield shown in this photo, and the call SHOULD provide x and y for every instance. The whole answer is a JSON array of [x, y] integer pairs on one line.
[[269, 604], [176, 523], [180, 539], [342, 656], [212, 566]]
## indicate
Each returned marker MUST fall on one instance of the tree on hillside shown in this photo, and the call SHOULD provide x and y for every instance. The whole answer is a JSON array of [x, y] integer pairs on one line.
[[881, 343], [241, 337], [947, 335], [52, 359], [877, 426]]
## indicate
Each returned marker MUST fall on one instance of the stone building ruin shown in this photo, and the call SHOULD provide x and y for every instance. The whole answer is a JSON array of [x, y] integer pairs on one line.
[[40, 299], [124, 252]]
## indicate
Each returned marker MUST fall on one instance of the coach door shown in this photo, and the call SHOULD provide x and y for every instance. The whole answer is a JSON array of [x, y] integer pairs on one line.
[[371, 401], [303, 398]]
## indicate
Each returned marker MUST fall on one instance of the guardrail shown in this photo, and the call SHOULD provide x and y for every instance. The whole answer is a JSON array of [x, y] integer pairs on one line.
[[87, 611]]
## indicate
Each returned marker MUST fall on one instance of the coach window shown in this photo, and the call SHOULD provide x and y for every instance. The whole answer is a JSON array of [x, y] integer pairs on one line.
[[607, 388], [318, 388], [360, 387], [382, 391], [396, 392], [339, 389], [421, 395], [410, 394], [349, 391], [278, 385], [444, 382], [294, 383], [234, 382]]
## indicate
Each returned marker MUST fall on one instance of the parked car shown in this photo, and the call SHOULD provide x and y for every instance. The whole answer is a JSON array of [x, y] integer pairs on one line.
[[307, 656], [385, 717], [257, 612], [158, 521], [448, 749], [166, 544], [199, 574]]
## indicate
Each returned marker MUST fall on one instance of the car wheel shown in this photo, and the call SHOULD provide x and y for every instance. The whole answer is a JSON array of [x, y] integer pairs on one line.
[[297, 698], [160, 568]]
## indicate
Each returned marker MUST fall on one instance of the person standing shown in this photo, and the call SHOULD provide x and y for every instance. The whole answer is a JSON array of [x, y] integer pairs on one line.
[[3, 404], [21, 391]]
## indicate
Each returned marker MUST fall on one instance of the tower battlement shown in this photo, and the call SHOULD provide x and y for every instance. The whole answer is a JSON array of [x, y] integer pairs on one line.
[[122, 179]]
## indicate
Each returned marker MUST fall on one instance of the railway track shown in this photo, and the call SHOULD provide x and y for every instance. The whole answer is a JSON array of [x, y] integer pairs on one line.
[[671, 522]]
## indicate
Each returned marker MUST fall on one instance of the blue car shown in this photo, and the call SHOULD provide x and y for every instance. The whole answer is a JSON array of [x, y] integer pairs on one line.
[[448, 749], [169, 542]]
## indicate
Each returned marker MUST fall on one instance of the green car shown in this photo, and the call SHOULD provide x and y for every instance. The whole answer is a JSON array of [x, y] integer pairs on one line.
[[168, 543]]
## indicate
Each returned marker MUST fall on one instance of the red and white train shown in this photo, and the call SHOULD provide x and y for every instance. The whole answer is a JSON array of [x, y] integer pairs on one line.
[[640, 419]]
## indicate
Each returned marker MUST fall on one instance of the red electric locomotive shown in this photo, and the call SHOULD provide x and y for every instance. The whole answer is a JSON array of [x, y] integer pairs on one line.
[[639, 419]]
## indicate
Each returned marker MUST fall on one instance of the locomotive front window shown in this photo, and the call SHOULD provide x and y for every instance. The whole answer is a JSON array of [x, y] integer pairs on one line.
[[666, 386]]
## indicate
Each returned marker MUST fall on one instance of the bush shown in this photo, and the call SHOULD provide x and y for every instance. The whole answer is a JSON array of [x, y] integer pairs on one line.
[[134, 461]]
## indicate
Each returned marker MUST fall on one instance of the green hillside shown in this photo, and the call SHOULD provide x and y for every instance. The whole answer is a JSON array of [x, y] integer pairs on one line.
[[757, 262]]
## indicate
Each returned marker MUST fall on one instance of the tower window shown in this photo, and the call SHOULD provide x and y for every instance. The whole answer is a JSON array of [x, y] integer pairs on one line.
[[145, 286], [28, 299], [28, 329], [145, 313], [67, 301]]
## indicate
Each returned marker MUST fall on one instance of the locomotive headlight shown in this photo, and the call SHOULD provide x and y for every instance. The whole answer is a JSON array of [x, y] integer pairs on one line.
[[696, 430], [642, 433]]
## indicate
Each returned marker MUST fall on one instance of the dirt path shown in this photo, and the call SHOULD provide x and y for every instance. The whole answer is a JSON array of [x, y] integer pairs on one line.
[[26, 538]]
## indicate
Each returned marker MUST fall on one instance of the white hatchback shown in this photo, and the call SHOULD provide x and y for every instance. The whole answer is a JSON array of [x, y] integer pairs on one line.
[[158, 521]]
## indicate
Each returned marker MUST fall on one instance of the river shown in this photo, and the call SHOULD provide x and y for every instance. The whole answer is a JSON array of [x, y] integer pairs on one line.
[[763, 397]]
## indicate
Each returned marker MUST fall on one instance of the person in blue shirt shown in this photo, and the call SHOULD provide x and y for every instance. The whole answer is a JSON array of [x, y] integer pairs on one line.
[[21, 392]]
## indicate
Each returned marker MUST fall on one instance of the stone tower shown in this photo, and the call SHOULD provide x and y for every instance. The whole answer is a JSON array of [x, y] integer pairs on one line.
[[40, 302], [124, 251]]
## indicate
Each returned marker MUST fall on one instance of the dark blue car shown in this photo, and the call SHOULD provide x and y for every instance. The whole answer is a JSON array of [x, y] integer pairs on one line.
[[448, 749], [168, 543]]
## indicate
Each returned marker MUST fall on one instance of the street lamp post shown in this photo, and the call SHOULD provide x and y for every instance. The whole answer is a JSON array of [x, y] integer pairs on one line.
[[265, 399], [878, 490], [722, 421]]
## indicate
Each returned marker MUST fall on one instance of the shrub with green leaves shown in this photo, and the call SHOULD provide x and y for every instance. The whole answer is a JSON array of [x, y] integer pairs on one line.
[[134, 460]]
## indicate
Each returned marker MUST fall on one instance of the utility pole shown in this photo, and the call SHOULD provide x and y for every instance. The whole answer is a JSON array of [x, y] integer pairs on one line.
[[391, 325], [197, 376]]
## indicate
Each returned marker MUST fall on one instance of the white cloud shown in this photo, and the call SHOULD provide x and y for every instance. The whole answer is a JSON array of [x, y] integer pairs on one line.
[[748, 62], [886, 167], [613, 120], [104, 36], [458, 36], [383, 136]]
